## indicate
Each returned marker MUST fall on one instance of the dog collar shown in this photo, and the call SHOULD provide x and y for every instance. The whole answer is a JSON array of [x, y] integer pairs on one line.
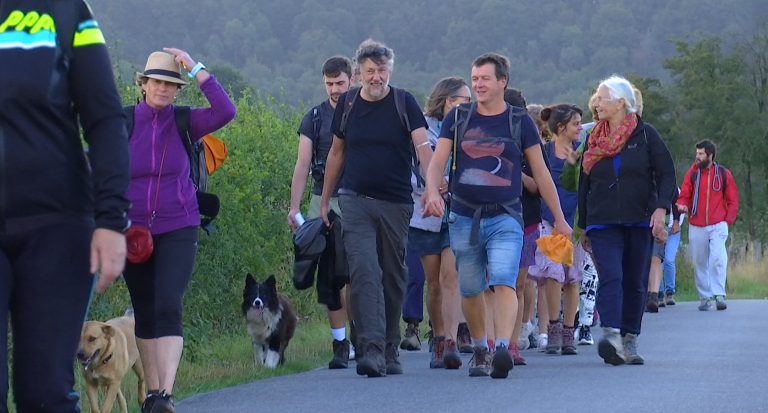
[[106, 360]]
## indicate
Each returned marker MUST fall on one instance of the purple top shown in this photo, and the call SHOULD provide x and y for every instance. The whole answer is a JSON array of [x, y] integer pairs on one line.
[[176, 201]]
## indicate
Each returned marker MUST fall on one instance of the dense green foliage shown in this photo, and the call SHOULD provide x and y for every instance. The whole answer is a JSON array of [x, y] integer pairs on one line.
[[558, 48]]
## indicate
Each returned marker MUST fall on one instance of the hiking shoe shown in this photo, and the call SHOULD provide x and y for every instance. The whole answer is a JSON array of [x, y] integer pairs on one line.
[[720, 300], [464, 340], [451, 358], [372, 363], [501, 362], [669, 298], [340, 355], [585, 336], [652, 302], [392, 361], [610, 347], [555, 333], [149, 402], [478, 365], [411, 342], [543, 342], [630, 350], [437, 353], [662, 303], [569, 335], [517, 359], [163, 404], [705, 304], [352, 353], [533, 339]]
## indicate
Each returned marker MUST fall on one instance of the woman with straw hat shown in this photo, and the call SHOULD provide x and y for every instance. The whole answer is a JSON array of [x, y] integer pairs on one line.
[[165, 212]]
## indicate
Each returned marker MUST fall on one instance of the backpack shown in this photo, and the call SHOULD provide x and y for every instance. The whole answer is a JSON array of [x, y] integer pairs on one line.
[[199, 166], [462, 115], [400, 105]]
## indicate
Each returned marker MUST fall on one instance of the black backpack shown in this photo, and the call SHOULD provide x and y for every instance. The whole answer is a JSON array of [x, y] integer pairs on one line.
[[402, 113], [198, 171]]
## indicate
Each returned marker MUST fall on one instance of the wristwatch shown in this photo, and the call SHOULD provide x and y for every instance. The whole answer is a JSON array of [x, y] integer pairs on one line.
[[196, 69]]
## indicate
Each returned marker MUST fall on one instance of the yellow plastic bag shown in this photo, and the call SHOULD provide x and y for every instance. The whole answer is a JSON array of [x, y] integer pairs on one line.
[[557, 248]]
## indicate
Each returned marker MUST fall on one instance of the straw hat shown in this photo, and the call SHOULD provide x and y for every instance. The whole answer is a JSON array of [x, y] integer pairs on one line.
[[161, 66]]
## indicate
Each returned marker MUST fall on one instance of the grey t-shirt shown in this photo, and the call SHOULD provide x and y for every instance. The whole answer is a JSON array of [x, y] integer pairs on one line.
[[322, 143]]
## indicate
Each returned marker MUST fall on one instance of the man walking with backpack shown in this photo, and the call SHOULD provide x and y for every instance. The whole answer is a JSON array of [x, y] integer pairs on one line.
[[488, 139], [710, 194], [315, 143], [377, 131]]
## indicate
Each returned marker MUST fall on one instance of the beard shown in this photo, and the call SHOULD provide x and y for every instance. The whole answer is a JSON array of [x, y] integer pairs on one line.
[[703, 164], [376, 90]]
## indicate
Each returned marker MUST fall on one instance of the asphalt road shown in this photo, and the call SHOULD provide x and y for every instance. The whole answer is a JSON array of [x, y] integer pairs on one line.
[[695, 362]]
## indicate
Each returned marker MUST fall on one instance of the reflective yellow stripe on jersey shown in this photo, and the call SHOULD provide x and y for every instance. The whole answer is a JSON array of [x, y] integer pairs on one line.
[[88, 37]]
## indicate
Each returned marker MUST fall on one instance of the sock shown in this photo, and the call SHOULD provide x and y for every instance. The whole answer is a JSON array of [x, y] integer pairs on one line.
[[480, 342], [502, 342], [339, 334], [553, 322]]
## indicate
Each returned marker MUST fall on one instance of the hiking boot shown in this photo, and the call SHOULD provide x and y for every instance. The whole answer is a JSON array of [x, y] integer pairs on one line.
[[705, 304], [501, 362], [569, 334], [652, 302], [610, 347], [437, 353], [720, 300], [340, 355], [669, 298], [517, 359], [464, 340], [478, 365], [430, 336], [630, 350], [543, 343], [372, 363], [393, 365], [411, 342], [555, 333], [451, 357], [585, 336], [149, 402], [163, 404], [662, 303]]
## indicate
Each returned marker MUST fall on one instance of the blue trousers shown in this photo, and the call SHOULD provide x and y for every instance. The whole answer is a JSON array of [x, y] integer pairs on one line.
[[413, 305]]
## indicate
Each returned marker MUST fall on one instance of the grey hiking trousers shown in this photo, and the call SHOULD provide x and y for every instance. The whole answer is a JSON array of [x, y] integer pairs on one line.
[[375, 239]]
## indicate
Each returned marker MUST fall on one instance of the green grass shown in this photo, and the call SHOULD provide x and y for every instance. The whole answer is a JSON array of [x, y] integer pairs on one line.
[[745, 280], [231, 363]]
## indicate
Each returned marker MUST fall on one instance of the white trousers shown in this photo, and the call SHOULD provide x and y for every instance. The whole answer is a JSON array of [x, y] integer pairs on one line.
[[710, 258]]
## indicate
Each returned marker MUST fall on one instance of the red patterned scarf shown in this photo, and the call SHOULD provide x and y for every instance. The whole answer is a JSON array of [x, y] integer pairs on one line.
[[606, 144]]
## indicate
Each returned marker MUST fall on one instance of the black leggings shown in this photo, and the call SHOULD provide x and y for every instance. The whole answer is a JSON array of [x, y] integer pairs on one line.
[[157, 285], [45, 284]]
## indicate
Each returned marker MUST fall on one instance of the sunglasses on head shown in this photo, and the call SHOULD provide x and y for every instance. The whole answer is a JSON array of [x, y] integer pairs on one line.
[[373, 52]]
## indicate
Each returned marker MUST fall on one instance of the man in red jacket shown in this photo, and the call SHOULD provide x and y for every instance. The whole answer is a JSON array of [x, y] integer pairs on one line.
[[710, 194]]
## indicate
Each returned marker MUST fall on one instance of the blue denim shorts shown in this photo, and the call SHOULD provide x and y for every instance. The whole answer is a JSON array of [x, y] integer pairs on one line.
[[495, 260]]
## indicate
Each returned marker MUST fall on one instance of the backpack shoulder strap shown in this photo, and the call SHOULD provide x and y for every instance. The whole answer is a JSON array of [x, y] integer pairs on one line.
[[128, 111], [460, 121], [181, 115], [65, 20], [515, 120], [402, 110], [349, 101], [317, 122]]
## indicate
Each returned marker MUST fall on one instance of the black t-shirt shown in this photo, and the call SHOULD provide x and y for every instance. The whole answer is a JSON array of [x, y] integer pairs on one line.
[[322, 143], [378, 148]]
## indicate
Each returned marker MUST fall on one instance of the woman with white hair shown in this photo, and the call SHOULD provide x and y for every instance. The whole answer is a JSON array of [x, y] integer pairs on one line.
[[626, 186]]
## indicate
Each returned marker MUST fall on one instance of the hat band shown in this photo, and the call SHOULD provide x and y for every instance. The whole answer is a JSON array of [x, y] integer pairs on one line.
[[162, 72]]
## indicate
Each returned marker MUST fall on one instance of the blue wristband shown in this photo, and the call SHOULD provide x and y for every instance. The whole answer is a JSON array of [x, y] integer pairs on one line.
[[196, 69]]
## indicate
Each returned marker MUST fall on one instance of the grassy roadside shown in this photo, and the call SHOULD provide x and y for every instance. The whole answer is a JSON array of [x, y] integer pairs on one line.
[[745, 280]]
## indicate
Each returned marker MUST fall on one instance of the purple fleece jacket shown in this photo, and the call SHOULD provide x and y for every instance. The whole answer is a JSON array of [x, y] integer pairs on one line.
[[176, 201]]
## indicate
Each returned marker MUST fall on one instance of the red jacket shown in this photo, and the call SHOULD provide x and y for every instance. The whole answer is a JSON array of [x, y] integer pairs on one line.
[[712, 207]]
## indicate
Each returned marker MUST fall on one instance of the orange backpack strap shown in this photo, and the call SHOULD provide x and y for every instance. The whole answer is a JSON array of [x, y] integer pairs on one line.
[[215, 152]]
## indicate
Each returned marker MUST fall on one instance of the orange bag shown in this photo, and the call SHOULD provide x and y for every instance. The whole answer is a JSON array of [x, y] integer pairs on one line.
[[215, 152], [557, 248]]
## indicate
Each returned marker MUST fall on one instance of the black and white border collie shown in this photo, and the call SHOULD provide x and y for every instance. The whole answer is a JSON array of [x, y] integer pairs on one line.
[[269, 319]]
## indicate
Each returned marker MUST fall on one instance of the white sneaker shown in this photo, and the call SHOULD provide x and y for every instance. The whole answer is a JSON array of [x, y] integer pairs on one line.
[[543, 342], [351, 352]]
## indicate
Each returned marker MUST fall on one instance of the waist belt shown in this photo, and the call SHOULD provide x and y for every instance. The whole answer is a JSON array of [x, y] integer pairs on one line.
[[484, 208], [344, 191]]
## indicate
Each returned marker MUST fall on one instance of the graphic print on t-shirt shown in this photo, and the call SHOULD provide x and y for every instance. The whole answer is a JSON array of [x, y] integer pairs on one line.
[[489, 167]]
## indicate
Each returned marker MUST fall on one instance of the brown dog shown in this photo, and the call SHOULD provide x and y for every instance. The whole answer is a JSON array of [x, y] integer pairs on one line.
[[107, 351]]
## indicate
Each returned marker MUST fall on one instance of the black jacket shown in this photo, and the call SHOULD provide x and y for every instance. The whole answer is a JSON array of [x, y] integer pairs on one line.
[[646, 181], [318, 249], [44, 175]]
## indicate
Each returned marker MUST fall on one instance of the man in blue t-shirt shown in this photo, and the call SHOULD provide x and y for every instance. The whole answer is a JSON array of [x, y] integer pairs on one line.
[[375, 129], [315, 139], [485, 220]]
